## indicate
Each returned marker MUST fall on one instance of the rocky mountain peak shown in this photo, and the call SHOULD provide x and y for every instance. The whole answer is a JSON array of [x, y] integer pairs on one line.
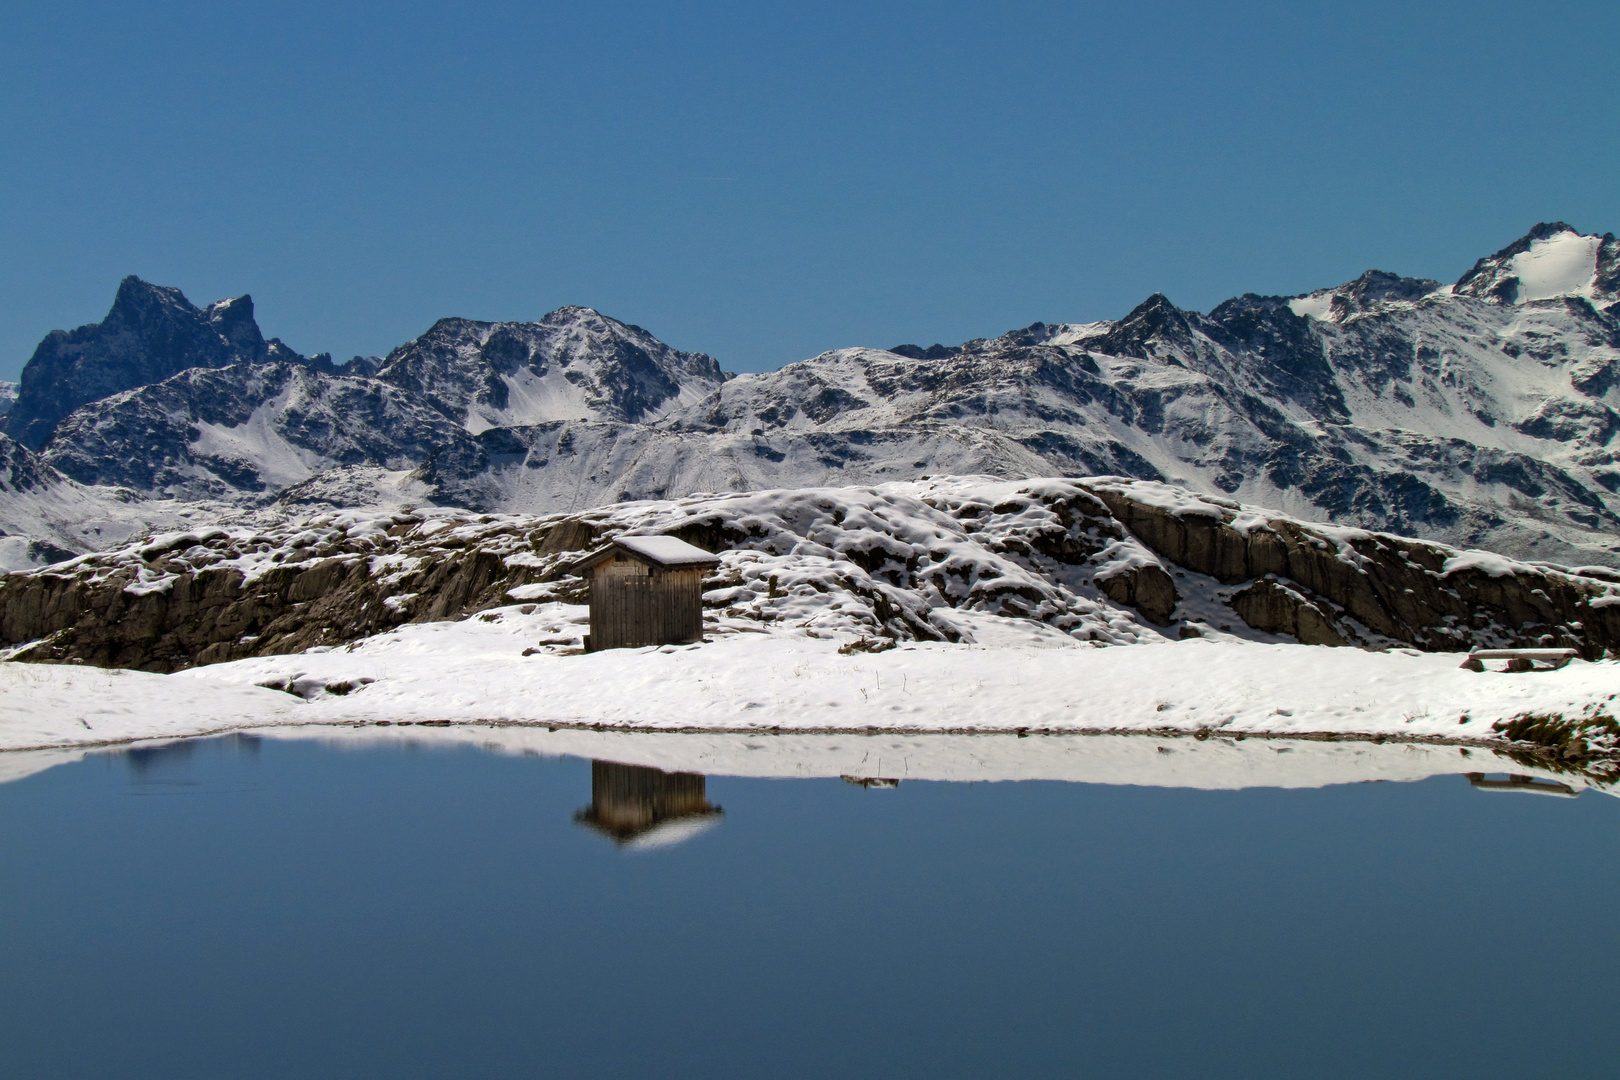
[[141, 303], [1374, 291], [1153, 322], [235, 323], [1551, 261], [573, 364], [1380, 286], [935, 351], [150, 333]]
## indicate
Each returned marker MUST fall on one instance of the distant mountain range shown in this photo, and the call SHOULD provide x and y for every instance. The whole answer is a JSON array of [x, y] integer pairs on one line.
[[1479, 414]]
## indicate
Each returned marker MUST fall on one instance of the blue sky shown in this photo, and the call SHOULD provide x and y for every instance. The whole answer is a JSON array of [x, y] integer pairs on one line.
[[763, 182]]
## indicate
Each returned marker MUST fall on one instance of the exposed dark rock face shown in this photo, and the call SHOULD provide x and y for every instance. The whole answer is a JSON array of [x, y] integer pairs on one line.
[[22, 471], [1271, 606], [1148, 589], [935, 351], [326, 593], [151, 333]]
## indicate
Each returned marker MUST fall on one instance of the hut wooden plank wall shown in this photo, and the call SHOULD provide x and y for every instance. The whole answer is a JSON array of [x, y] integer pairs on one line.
[[629, 801], [645, 590]]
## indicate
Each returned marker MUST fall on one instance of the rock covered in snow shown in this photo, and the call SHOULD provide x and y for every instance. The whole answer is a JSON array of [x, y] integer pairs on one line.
[[1111, 561], [1551, 261]]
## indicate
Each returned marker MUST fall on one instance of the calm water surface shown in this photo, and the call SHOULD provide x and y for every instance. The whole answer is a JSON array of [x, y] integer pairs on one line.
[[238, 908]]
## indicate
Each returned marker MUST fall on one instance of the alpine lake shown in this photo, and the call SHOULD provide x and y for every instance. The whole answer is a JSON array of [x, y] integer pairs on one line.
[[275, 907]]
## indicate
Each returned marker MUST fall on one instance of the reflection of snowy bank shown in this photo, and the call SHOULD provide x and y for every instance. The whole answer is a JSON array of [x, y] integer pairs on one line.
[[1019, 677], [1216, 763], [1148, 761]]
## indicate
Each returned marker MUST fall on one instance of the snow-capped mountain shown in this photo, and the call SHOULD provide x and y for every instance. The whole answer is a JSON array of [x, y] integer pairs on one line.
[[574, 364], [1481, 414], [1388, 402], [246, 429], [151, 333], [1551, 261], [46, 517]]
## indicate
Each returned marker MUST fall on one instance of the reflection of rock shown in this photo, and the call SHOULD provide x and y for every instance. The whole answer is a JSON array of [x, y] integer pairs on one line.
[[644, 807], [143, 760]]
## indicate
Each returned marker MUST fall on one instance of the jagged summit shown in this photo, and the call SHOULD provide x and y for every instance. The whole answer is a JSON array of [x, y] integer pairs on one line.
[[150, 333], [574, 364], [1550, 262], [935, 351], [1373, 292]]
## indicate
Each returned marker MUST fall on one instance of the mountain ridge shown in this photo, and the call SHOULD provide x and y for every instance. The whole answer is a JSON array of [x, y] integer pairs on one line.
[[1482, 413]]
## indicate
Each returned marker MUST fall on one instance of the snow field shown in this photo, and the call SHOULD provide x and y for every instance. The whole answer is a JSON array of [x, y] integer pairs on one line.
[[1019, 675], [1563, 264]]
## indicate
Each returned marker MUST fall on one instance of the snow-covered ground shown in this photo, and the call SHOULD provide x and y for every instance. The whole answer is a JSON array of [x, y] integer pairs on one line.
[[522, 666]]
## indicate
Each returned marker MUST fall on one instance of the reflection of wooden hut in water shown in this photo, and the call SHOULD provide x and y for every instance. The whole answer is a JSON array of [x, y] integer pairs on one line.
[[644, 807], [1530, 785], [645, 590], [871, 781]]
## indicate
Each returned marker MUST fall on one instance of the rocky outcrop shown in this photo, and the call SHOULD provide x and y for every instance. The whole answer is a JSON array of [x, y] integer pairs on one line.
[[1107, 560], [1277, 608], [1148, 589], [1326, 585], [337, 586]]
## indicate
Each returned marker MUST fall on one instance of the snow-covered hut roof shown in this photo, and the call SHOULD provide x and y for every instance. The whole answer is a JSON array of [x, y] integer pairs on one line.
[[666, 551]]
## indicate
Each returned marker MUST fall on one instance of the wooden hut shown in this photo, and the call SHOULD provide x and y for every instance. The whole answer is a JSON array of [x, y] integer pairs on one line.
[[641, 806], [645, 590]]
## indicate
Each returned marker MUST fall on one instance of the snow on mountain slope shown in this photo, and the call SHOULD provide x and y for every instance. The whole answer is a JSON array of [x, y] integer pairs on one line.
[[1553, 260], [46, 517], [151, 333], [571, 466], [574, 364], [247, 428], [1482, 414], [1393, 403]]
